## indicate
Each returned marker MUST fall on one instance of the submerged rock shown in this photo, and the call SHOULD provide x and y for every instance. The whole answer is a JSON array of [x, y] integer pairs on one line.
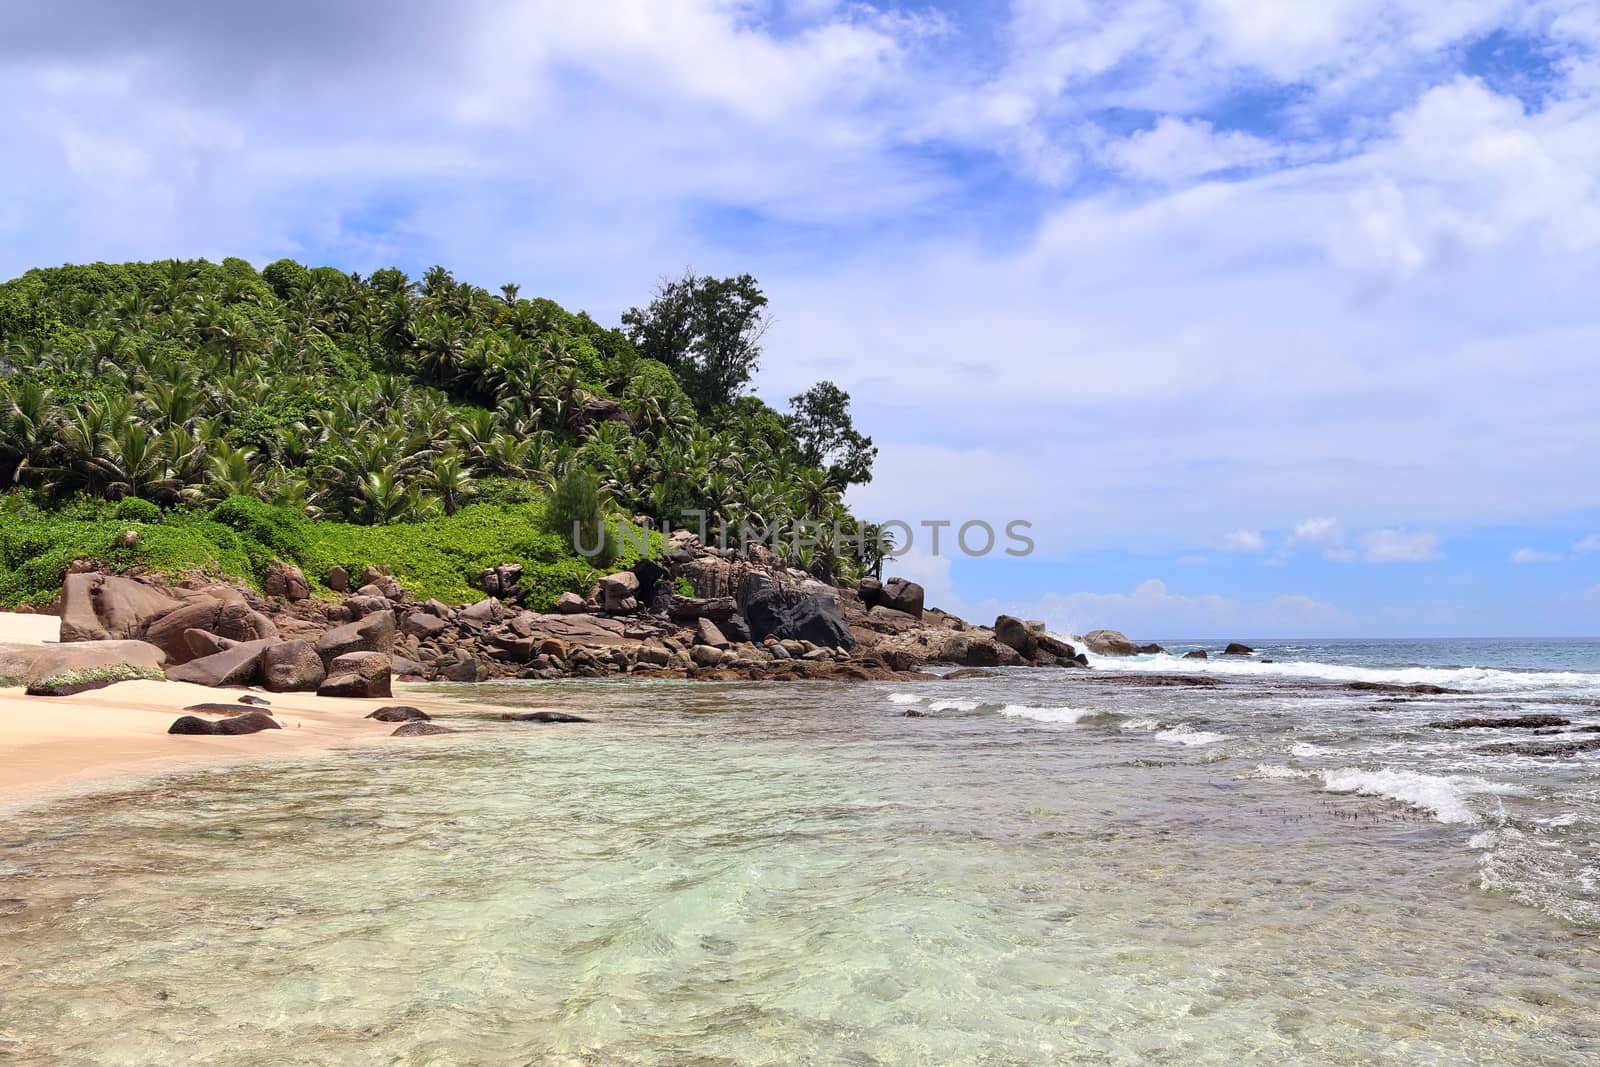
[[545, 716], [1512, 722], [400, 713], [421, 729], [1393, 687]]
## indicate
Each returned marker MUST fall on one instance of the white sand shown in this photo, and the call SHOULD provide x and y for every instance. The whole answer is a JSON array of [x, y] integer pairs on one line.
[[50, 745]]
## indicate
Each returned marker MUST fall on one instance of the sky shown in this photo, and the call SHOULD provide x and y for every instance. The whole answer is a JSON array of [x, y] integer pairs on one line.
[[1272, 318]]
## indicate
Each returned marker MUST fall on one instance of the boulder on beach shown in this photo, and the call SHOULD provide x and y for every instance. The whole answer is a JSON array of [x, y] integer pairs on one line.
[[373, 633], [357, 674], [231, 620], [23, 662], [292, 667], [107, 607], [1110, 643], [250, 723], [236, 666], [399, 713]]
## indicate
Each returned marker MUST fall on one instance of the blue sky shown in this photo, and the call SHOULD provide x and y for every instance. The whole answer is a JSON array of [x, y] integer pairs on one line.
[[1273, 318]]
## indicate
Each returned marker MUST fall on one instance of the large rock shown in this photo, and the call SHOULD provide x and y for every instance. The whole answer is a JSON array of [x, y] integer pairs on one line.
[[598, 410], [502, 581], [870, 590], [285, 580], [291, 667], [684, 608], [1012, 631], [254, 722], [239, 665], [231, 619], [1110, 643], [617, 590], [338, 579], [706, 633], [25, 663], [1062, 650], [1236, 649], [373, 633], [570, 604], [486, 612], [421, 729], [106, 607], [898, 594], [424, 626], [357, 674], [812, 616]]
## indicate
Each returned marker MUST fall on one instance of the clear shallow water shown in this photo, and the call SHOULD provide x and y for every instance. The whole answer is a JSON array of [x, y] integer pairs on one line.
[[1052, 867]]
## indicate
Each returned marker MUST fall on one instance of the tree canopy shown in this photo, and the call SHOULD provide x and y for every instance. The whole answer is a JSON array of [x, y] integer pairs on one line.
[[385, 399]]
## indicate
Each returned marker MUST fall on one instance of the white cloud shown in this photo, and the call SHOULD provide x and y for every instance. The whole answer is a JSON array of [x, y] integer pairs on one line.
[[1243, 541], [1533, 555], [1399, 546], [1591, 543], [1177, 150]]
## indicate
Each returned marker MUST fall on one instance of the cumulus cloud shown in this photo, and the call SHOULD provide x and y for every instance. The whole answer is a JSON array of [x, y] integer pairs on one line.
[[1533, 555], [1400, 546], [1244, 541]]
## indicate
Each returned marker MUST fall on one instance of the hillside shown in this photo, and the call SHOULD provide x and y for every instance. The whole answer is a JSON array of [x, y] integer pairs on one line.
[[178, 416]]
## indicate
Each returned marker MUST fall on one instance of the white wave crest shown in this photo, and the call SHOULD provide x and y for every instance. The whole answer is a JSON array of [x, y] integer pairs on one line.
[[904, 698], [1140, 724], [1182, 735], [1278, 770], [1445, 796], [954, 705], [1479, 679], [1024, 711]]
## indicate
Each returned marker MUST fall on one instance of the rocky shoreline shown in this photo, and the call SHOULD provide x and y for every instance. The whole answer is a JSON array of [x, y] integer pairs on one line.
[[700, 612]]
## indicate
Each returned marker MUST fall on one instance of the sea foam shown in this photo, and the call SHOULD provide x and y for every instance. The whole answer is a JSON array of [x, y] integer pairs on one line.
[[1025, 711], [1445, 796]]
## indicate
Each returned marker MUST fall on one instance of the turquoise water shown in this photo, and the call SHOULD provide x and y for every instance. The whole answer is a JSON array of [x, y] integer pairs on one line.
[[1042, 867]]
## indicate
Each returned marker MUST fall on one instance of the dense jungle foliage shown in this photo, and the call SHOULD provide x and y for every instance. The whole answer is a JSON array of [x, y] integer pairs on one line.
[[230, 417]]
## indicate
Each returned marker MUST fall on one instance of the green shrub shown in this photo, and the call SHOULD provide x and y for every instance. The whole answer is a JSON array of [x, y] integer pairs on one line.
[[137, 509]]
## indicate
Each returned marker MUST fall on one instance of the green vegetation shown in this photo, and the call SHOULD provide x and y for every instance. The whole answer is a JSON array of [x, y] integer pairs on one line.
[[116, 672], [228, 418]]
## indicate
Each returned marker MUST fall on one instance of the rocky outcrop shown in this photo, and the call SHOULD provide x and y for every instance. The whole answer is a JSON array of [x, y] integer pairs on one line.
[[232, 620], [1236, 649], [1198, 653], [292, 667], [706, 633], [619, 592], [285, 580], [899, 594], [238, 665], [1110, 643], [1012, 631], [372, 633], [598, 410], [108, 607], [357, 674], [502, 581]]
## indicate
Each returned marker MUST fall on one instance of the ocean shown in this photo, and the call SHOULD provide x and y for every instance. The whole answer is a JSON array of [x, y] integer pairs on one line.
[[1156, 861]]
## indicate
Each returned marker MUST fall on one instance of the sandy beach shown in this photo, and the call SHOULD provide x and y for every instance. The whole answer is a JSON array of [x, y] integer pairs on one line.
[[55, 745]]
